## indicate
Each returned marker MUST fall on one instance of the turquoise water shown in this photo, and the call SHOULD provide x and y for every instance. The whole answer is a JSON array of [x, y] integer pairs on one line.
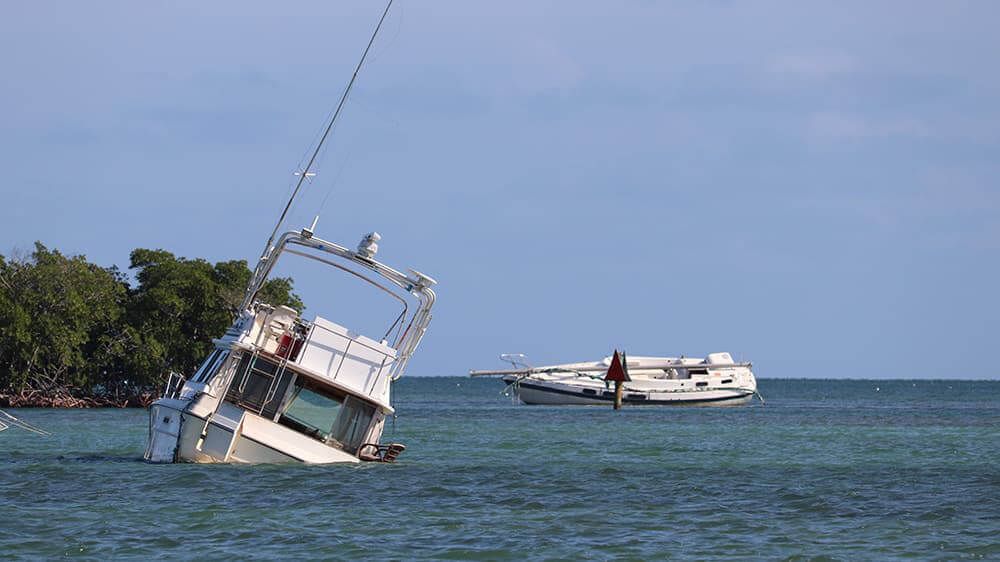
[[835, 469]]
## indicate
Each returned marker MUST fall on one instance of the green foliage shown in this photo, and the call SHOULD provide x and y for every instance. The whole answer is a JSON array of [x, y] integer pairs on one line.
[[60, 319], [68, 324]]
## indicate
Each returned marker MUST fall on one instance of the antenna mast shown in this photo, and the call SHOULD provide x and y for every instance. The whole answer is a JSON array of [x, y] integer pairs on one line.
[[329, 127]]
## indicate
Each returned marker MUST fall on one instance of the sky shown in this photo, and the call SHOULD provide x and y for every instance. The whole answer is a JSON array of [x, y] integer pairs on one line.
[[811, 186]]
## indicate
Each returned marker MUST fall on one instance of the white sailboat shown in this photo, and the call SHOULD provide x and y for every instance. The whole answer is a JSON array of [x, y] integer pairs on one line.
[[281, 388], [715, 380]]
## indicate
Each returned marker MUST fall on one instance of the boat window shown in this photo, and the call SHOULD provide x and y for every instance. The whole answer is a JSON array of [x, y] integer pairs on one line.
[[312, 410], [328, 415], [589, 391], [725, 381], [352, 424], [259, 385], [207, 367], [216, 367], [698, 371], [701, 383]]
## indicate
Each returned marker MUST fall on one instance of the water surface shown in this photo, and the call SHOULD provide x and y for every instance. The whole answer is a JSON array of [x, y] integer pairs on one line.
[[839, 469]]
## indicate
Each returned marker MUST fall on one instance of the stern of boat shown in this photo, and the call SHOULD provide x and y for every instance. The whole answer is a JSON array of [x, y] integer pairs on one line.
[[164, 430]]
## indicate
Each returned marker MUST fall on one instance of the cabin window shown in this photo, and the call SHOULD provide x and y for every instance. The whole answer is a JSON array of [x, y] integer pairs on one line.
[[698, 371], [312, 410], [725, 381], [635, 396], [352, 424], [589, 391], [208, 367], [328, 415], [259, 385], [701, 384], [216, 367]]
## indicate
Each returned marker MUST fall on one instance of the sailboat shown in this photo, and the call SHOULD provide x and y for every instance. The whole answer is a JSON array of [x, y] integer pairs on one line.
[[282, 388], [715, 380]]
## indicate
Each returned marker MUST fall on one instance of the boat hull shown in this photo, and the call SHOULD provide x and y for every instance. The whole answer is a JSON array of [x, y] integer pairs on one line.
[[177, 435], [543, 393]]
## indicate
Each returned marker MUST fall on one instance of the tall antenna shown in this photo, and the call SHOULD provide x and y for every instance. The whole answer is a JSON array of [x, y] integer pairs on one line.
[[305, 172]]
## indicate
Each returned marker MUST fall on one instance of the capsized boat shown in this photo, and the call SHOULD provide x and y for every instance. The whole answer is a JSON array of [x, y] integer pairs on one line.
[[281, 388], [715, 380]]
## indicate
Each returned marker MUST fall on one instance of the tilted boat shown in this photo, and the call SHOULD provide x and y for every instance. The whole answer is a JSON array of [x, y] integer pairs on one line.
[[281, 388], [715, 380]]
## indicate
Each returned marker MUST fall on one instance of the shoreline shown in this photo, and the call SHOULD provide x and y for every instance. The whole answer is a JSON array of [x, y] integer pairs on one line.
[[36, 399]]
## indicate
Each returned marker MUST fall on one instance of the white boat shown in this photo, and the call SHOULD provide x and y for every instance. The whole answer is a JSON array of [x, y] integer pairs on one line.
[[715, 380], [281, 388]]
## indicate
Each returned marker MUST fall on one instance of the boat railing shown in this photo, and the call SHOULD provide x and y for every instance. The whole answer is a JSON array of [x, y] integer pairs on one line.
[[350, 339], [175, 382], [374, 452], [604, 368], [272, 388], [415, 284], [313, 355], [259, 365]]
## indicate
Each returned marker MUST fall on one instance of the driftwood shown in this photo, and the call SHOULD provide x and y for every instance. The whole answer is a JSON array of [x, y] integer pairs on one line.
[[64, 399]]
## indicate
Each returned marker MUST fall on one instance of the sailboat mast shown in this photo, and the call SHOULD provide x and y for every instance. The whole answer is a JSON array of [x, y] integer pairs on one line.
[[329, 127]]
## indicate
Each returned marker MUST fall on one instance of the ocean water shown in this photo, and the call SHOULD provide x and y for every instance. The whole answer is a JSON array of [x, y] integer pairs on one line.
[[851, 470]]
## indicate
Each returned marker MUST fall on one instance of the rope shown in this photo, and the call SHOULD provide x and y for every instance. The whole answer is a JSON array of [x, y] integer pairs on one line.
[[329, 127], [336, 178], [23, 425], [513, 388], [393, 401]]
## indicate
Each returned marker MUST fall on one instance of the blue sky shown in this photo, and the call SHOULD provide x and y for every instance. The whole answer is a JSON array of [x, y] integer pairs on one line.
[[810, 186]]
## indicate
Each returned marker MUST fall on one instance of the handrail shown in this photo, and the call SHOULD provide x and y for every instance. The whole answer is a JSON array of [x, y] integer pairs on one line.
[[272, 388], [361, 343], [406, 305], [602, 368], [175, 382], [304, 370], [351, 341], [419, 286]]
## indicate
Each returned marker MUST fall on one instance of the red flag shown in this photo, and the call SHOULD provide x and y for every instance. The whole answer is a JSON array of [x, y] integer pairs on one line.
[[616, 372]]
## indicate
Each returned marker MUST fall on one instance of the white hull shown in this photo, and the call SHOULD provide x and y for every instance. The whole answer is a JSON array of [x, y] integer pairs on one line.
[[535, 393], [653, 381], [190, 438]]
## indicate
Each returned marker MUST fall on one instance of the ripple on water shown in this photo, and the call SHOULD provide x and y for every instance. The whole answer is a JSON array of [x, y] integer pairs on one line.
[[819, 472]]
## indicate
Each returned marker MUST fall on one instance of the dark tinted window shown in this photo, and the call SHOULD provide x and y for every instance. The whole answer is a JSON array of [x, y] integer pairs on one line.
[[259, 385]]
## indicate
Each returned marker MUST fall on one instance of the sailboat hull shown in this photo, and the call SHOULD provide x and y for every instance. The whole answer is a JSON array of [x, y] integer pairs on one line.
[[554, 394]]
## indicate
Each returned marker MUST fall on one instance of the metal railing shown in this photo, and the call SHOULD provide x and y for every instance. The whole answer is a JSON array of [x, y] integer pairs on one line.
[[175, 382], [387, 359]]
